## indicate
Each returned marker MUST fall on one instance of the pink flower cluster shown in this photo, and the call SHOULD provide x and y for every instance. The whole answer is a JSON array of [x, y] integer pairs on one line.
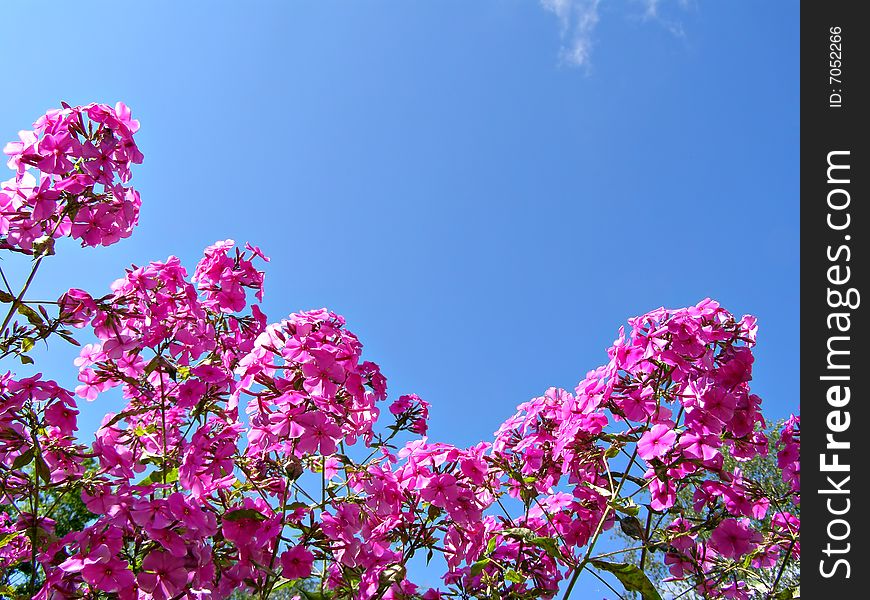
[[310, 391], [249, 456], [788, 457], [70, 176]]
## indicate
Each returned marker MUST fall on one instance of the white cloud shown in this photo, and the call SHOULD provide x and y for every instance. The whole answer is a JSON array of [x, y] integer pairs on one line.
[[578, 20], [653, 13]]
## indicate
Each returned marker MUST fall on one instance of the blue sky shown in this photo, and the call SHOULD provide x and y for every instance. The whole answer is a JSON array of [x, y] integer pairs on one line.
[[484, 210]]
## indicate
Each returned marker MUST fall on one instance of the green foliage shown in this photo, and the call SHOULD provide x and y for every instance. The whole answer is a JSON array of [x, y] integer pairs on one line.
[[69, 513], [631, 577]]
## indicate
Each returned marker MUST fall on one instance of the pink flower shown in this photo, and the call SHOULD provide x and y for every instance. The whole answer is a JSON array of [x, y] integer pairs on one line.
[[402, 404], [190, 393], [53, 149], [89, 354], [151, 513], [331, 467], [656, 442], [296, 563], [125, 116], [105, 572], [415, 410], [77, 307], [191, 515], [15, 150], [662, 492], [319, 432], [720, 403], [163, 575], [440, 490], [62, 416], [91, 386], [169, 540], [116, 346], [700, 447], [788, 457], [44, 200], [734, 538]]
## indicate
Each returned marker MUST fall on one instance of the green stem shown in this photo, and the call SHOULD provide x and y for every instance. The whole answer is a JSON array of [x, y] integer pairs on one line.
[[599, 528], [20, 296], [781, 569]]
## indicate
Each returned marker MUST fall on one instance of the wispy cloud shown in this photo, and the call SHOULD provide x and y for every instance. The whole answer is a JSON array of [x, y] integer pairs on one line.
[[653, 12], [578, 20]]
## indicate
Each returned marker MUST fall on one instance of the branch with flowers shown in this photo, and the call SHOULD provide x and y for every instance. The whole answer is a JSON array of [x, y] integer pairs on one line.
[[253, 457]]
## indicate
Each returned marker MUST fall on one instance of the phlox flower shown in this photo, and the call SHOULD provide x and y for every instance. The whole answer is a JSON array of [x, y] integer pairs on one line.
[[440, 490], [62, 416], [190, 515], [319, 433], [163, 575], [656, 442], [296, 563], [734, 538], [103, 571]]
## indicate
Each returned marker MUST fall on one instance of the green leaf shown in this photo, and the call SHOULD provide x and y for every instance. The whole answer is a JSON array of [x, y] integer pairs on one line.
[[68, 338], [244, 513], [549, 545], [152, 364], [23, 459], [128, 413], [603, 491], [625, 506], [480, 565], [513, 576], [792, 593], [287, 584], [140, 431], [613, 450], [32, 316], [631, 577], [8, 537], [631, 509], [6, 297], [43, 246], [518, 533], [632, 527], [42, 469], [27, 344], [157, 477]]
